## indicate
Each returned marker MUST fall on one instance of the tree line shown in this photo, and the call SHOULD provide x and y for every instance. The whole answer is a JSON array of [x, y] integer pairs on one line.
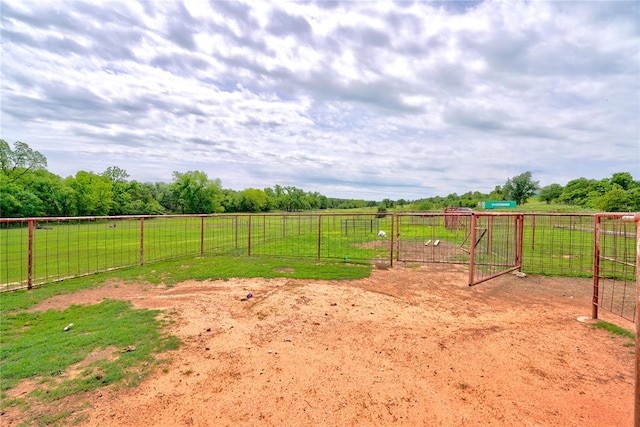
[[619, 193], [28, 189]]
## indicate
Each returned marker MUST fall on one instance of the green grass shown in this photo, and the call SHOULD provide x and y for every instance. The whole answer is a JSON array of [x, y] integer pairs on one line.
[[615, 330], [35, 346]]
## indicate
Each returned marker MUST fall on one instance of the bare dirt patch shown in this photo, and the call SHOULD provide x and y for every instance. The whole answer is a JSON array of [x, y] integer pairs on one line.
[[406, 346]]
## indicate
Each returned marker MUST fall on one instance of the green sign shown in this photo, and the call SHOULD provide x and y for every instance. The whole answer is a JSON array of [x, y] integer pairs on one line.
[[498, 204]]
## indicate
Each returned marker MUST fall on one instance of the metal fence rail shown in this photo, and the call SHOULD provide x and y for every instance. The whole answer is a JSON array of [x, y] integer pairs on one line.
[[43, 250]]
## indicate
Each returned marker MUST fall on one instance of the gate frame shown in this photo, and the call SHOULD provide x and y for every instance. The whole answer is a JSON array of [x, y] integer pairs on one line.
[[636, 416], [518, 244]]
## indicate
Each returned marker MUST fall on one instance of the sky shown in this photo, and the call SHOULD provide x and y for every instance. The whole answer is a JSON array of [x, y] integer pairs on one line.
[[357, 99]]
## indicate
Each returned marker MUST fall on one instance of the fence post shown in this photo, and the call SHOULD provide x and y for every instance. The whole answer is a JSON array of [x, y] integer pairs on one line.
[[30, 255], [249, 237], [393, 223], [596, 266], [520, 242], [637, 405], [636, 411], [472, 247], [141, 240], [201, 235], [236, 231], [319, 234]]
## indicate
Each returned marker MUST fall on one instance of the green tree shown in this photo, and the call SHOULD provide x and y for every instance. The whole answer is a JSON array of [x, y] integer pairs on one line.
[[387, 203], [520, 188], [252, 200], [92, 194], [196, 193], [634, 198], [497, 193], [142, 199], [296, 200], [16, 163], [614, 200], [120, 186], [324, 202], [50, 189], [576, 192], [550, 193], [164, 194], [623, 179], [279, 199], [10, 199]]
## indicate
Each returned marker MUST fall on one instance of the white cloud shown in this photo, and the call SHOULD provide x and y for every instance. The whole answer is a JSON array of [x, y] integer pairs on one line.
[[355, 99]]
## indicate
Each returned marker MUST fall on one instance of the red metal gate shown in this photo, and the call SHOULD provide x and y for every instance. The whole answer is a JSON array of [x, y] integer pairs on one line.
[[489, 243], [614, 265], [494, 245]]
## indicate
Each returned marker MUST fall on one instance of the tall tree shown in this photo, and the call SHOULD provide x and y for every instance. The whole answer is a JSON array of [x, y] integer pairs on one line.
[[497, 193], [16, 163], [622, 179], [120, 186], [142, 200], [576, 191], [520, 188], [196, 193], [550, 193], [92, 193], [614, 200], [252, 200]]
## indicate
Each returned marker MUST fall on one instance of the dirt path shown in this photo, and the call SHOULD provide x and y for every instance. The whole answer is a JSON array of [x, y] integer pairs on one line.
[[404, 347]]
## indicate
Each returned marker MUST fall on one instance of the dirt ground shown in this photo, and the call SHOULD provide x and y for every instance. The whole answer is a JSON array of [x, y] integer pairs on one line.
[[407, 346]]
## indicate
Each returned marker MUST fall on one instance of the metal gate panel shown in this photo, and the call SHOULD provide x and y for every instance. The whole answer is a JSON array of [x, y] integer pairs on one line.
[[490, 244], [614, 265], [495, 245]]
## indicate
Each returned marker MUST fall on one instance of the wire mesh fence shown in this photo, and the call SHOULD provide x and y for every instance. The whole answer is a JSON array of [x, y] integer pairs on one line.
[[615, 270], [558, 244], [433, 238], [43, 250], [331, 236]]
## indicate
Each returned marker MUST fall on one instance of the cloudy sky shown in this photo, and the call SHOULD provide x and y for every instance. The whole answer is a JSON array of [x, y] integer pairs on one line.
[[362, 99]]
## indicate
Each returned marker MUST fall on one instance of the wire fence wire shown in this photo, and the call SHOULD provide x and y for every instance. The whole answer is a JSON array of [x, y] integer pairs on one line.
[[36, 251], [615, 270], [43, 250], [558, 244], [496, 242], [433, 238]]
